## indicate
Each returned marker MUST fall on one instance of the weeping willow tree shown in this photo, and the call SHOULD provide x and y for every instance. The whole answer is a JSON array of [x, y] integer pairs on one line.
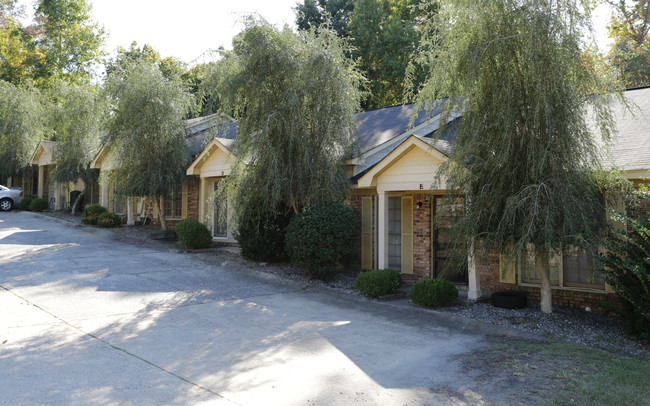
[[524, 155], [295, 96], [77, 118], [147, 133], [22, 126]]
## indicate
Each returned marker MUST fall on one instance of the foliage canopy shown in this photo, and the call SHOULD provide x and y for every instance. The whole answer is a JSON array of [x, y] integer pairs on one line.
[[77, 119], [630, 53], [295, 96], [523, 152], [147, 134], [22, 126]]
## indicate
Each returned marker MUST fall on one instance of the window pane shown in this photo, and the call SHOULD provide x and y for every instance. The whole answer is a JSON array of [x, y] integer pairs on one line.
[[582, 270]]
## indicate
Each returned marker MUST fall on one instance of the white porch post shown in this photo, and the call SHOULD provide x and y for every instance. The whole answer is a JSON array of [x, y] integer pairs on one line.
[[382, 237], [202, 193], [130, 221], [103, 200], [41, 181], [474, 291], [57, 196]]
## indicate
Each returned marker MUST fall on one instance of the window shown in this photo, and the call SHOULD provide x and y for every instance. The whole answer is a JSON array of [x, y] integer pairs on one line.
[[571, 268], [174, 202], [581, 269]]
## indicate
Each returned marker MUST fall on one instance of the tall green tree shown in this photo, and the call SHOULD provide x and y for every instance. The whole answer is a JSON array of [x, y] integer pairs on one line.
[[22, 126], [385, 36], [295, 96], [147, 133], [17, 46], [630, 53], [76, 120], [314, 13], [169, 66], [69, 41], [523, 153]]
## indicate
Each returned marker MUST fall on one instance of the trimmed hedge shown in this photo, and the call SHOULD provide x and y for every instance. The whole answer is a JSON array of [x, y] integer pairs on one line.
[[321, 237], [379, 282], [109, 220], [193, 234], [38, 204], [24, 204], [433, 292], [91, 214]]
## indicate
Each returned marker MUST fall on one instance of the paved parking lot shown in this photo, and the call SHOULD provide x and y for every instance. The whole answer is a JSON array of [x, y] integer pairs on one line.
[[86, 318]]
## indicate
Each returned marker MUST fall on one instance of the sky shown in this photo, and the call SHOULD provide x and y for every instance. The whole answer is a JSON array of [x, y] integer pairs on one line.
[[186, 29]]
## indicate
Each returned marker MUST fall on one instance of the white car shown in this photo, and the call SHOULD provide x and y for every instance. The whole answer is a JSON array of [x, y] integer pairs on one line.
[[9, 198]]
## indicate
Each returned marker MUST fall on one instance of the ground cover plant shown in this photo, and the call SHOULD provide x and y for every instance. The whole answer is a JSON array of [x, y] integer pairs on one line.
[[24, 204], [627, 271], [38, 204], [379, 282], [433, 292], [109, 220], [91, 214], [321, 237], [193, 234]]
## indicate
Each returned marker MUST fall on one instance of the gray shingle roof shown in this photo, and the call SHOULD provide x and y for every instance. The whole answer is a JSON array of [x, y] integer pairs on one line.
[[378, 126], [631, 150]]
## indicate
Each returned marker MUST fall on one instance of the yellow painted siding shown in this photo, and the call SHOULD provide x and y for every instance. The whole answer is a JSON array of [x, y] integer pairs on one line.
[[217, 164], [366, 233], [407, 235], [413, 167]]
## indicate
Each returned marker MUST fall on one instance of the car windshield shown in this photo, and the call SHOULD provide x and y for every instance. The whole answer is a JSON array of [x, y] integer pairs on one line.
[[3, 188]]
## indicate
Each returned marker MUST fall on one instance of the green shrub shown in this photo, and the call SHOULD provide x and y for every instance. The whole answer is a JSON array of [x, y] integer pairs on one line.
[[91, 214], [261, 234], [193, 234], [627, 271], [379, 282], [321, 237], [433, 292], [24, 204], [109, 220], [38, 204]]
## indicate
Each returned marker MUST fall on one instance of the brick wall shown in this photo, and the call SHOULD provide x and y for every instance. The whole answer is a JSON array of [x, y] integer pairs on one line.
[[422, 236], [488, 270], [193, 196]]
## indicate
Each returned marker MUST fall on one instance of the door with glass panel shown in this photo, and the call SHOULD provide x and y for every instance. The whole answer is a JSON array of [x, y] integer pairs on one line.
[[219, 216]]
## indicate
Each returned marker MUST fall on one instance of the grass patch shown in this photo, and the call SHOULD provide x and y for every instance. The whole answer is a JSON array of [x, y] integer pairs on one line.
[[593, 376]]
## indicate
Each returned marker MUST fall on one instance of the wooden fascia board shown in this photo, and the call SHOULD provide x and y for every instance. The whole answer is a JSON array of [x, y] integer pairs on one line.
[[370, 179], [99, 157], [36, 155]]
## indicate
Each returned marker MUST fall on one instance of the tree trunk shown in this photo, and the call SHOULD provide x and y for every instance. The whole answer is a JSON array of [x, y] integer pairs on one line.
[[76, 202], [544, 272], [161, 213]]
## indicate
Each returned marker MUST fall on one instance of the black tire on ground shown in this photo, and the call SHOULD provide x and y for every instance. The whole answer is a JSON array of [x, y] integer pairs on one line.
[[6, 204], [509, 300]]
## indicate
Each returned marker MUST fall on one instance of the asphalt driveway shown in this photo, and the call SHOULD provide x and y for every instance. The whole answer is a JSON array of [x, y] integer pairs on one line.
[[86, 318]]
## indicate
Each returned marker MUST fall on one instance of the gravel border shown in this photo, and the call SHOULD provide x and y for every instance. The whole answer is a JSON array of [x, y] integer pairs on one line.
[[566, 325]]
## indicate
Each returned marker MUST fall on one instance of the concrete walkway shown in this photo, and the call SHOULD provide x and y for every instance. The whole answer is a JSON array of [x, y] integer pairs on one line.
[[88, 319]]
